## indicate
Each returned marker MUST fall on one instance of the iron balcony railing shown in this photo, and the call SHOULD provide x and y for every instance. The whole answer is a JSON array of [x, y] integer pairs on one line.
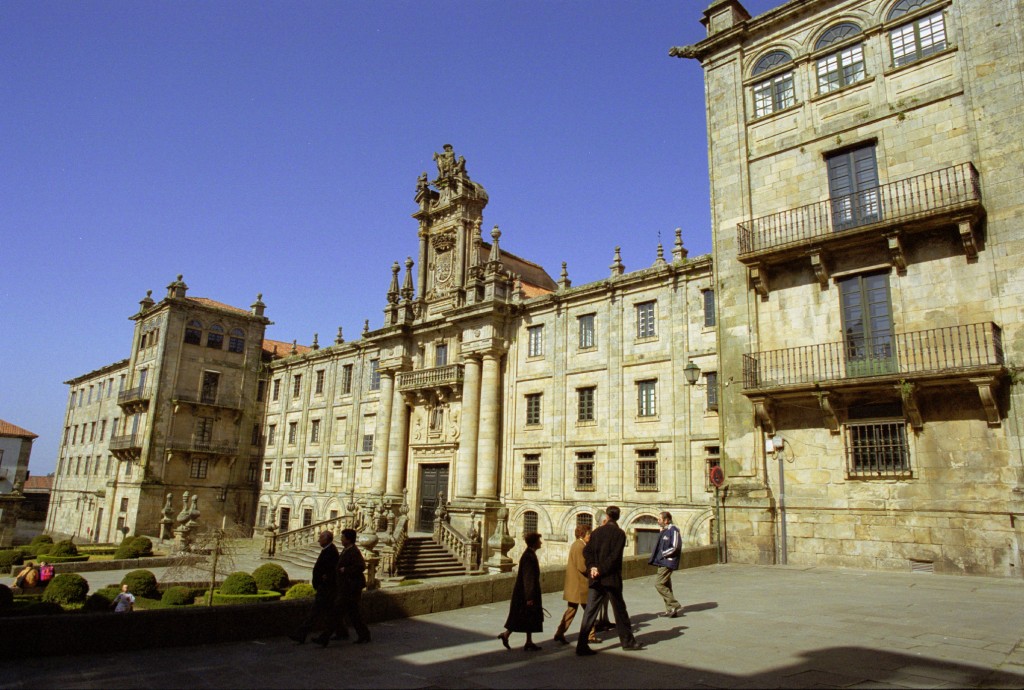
[[900, 201], [935, 350], [125, 442], [448, 375], [217, 399], [199, 446], [133, 395]]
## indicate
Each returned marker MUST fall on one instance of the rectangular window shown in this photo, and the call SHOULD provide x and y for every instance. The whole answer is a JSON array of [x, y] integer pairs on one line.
[[296, 385], [709, 308], [773, 95], [92, 432], [585, 404], [293, 431], [440, 355], [585, 471], [89, 401], [711, 381], [255, 439], [72, 398], [276, 395], [110, 466], [876, 442], [646, 397], [647, 470], [124, 505], [67, 434], [253, 474], [199, 467], [867, 325], [128, 469], [367, 443], [586, 329], [208, 392], [235, 342], [374, 374], [113, 426], [110, 386], [103, 429], [346, 379], [202, 436], [319, 386], [307, 517], [314, 431], [531, 471], [267, 470], [271, 434], [645, 324], [284, 520], [261, 391], [88, 461], [533, 408], [262, 519], [712, 459], [215, 338], [288, 473], [369, 422], [918, 39], [841, 69], [535, 341], [311, 473], [853, 187]]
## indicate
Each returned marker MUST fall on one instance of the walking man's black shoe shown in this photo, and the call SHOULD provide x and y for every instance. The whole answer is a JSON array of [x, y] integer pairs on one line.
[[585, 651], [633, 646]]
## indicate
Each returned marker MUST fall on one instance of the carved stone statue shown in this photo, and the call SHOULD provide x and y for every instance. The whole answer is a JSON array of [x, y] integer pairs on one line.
[[446, 162]]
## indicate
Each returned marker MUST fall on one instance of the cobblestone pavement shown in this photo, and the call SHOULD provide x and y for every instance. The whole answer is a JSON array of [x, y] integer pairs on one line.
[[744, 626]]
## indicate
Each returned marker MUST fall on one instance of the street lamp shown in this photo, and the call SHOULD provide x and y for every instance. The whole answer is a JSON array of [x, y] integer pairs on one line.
[[692, 372]]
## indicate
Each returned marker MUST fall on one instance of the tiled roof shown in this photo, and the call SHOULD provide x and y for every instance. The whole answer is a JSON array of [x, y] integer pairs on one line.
[[534, 290], [207, 302], [38, 483], [8, 429], [279, 348]]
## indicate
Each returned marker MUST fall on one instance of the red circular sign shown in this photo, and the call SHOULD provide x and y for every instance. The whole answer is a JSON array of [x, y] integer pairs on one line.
[[716, 475]]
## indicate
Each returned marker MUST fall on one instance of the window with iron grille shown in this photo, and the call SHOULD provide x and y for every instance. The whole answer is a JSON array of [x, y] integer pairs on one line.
[[293, 431], [712, 459], [585, 471], [533, 408], [645, 320], [647, 470], [367, 443], [709, 308], [346, 379], [531, 471], [711, 383], [199, 468], [585, 403], [918, 39], [374, 374], [215, 337], [646, 396], [584, 519], [296, 385], [877, 448], [535, 338], [314, 431], [586, 323], [319, 385], [529, 522]]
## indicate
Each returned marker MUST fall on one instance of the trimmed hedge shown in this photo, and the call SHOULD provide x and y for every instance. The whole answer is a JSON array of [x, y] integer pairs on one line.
[[221, 599], [134, 547], [178, 596], [141, 583], [11, 557], [66, 588], [98, 601], [63, 548], [41, 539], [49, 558], [239, 583], [271, 576], [301, 590]]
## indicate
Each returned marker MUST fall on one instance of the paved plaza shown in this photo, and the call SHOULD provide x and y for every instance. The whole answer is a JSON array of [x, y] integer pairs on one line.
[[744, 626]]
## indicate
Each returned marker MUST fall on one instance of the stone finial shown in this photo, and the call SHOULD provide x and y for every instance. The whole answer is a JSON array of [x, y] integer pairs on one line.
[[563, 282], [183, 515], [316, 341], [177, 289], [366, 327], [679, 252], [339, 339], [495, 257], [147, 301], [660, 258], [500, 544], [617, 266], [295, 348], [258, 307], [393, 289], [407, 289]]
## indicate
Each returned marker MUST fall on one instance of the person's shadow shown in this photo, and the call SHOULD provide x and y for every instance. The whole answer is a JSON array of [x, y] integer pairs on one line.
[[655, 636]]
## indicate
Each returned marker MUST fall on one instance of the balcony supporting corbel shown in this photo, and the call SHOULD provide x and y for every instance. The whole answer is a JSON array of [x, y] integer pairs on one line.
[[908, 394], [764, 412], [759, 280], [820, 268], [825, 401], [896, 253], [969, 239], [987, 390]]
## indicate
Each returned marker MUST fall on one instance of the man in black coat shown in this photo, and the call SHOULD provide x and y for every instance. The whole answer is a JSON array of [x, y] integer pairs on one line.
[[351, 582], [603, 554], [325, 583]]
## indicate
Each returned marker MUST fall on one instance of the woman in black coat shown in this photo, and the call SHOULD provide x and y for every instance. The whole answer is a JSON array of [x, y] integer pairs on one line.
[[525, 613]]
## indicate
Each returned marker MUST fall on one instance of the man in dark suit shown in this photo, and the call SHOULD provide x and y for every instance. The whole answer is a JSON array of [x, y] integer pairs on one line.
[[325, 583], [603, 554], [351, 582]]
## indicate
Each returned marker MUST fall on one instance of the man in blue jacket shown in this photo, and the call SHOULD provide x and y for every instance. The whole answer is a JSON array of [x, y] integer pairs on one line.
[[666, 558]]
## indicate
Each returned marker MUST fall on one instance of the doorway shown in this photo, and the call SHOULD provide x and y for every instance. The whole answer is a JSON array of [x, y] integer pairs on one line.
[[433, 481]]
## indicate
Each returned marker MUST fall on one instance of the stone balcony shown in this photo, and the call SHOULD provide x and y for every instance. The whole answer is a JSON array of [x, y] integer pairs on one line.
[[201, 446], [437, 384], [218, 399], [135, 399]]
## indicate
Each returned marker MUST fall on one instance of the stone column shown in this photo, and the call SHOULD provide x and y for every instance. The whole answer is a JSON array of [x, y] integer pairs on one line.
[[382, 433], [421, 287], [398, 447], [469, 431], [490, 416]]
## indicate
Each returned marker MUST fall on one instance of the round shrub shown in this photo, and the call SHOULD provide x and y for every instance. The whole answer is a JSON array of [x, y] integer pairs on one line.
[[141, 583], [66, 588], [271, 576], [110, 591], [134, 547], [6, 598], [43, 549], [239, 583], [301, 590], [9, 557], [41, 539], [177, 596], [98, 601], [63, 548]]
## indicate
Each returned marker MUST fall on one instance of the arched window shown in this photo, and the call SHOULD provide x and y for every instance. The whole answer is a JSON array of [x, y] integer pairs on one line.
[[529, 522], [843, 67], [236, 341], [918, 38], [777, 92], [215, 337], [194, 332]]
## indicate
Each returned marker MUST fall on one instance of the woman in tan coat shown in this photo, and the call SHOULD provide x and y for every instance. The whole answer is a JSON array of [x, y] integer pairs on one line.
[[577, 584]]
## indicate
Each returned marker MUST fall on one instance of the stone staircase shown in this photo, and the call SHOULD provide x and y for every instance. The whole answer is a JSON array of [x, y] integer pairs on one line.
[[422, 557]]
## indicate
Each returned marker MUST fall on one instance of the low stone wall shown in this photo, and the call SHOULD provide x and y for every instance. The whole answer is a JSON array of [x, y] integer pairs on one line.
[[122, 564], [84, 633]]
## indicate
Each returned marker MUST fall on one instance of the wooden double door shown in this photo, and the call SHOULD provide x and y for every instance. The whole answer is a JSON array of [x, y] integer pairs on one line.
[[433, 483]]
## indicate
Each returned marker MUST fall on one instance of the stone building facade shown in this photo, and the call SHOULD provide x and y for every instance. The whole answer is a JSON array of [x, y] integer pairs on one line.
[[865, 164], [491, 384]]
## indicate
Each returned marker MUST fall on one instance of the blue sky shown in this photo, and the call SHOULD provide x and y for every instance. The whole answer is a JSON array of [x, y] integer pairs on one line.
[[273, 147]]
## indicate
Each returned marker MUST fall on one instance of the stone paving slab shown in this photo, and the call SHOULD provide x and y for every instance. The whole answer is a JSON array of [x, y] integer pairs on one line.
[[744, 626]]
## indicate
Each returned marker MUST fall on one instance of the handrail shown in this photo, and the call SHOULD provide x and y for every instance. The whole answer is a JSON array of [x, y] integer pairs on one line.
[[196, 446], [218, 400], [133, 395], [933, 350], [304, 536], [902, 200], [461, 547], [125, 442]]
